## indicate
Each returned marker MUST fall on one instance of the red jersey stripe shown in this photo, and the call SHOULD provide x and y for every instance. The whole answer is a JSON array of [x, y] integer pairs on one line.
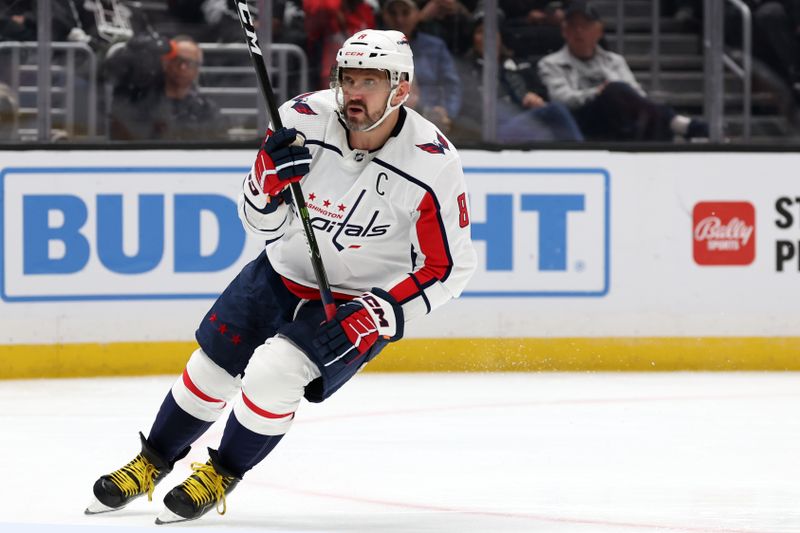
[[433, 244], [310, 293], [405, 290]]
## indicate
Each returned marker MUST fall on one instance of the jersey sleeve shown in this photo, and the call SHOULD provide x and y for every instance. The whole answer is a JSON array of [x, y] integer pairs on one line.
[[445, 258], [266, 219], [270, 222]]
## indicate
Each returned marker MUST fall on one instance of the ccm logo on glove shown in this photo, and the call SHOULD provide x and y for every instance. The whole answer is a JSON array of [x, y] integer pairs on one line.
[[377, 311], [358, 325], [283, 159]]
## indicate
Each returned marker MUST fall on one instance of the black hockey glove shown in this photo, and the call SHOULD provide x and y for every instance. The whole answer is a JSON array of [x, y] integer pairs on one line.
[[358, 325], [283, 159]]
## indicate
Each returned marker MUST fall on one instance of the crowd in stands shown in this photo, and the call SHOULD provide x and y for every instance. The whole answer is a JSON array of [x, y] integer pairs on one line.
[[776, 32], [557, 79]]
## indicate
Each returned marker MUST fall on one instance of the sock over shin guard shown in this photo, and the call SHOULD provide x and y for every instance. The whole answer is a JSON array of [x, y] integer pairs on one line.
[[196, 401], [174, 429], [242, 449], [272, 388]]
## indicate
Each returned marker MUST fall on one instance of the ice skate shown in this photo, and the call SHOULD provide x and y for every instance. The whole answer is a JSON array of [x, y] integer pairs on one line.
[[137, 478], [205, 488]]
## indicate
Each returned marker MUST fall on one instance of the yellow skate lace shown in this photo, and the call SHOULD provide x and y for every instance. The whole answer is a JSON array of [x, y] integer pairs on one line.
[[206, 485], [143, 473]]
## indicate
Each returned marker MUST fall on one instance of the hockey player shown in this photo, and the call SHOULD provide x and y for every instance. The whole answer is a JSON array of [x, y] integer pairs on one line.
[[386, 194]]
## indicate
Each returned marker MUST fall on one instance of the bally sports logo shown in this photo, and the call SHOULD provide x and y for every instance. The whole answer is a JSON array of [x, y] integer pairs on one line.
[[724, 233]]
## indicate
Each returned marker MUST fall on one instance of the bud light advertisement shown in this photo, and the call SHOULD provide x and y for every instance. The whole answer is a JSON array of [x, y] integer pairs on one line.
[[120, 233], [540, 231]]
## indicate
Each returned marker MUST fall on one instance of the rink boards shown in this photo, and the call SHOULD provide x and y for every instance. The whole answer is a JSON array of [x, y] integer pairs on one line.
[[586, 261]]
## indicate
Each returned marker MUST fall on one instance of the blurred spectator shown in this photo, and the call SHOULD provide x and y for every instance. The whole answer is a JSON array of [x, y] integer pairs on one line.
[[73, 20], [776, 51], [18, 21], [450, 20], [288, 22], [9, 114], [533, 11], [135, 69], [776, 26], [205, 21], [600, 89], [533, 27], [328, 24], [185, 17], [98, 23], [523, 115], [355, 15], [437, 83], [688, 13], [776, 30], [158, 103], [221, 22]]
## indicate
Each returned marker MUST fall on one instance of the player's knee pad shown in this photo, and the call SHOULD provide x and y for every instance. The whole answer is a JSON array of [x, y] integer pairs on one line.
[[204, 388], [273, 384]]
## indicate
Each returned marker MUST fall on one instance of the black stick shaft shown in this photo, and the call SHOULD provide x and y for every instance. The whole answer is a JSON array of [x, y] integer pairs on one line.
[[297, 193]]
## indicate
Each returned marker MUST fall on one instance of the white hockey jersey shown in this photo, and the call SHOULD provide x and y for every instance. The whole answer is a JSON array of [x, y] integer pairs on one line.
[[396, 218]]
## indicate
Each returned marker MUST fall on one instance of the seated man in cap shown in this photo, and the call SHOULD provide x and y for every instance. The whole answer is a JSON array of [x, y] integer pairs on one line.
[[601, 91], [522, 114]]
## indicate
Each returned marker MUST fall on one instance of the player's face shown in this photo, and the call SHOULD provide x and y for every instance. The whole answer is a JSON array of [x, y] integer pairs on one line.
[[365, 92]]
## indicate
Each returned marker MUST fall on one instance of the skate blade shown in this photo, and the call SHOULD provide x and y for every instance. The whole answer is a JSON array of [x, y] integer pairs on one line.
[[96, 508], [168, 517]]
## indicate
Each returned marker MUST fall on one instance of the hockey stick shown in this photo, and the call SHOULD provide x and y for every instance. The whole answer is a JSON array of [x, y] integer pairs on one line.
[[297, 193]]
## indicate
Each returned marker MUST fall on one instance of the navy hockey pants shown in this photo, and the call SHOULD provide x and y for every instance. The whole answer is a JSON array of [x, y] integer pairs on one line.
[[255, 306]]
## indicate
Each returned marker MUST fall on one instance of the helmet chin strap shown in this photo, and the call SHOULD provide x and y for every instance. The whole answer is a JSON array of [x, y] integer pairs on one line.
[[386, 112]]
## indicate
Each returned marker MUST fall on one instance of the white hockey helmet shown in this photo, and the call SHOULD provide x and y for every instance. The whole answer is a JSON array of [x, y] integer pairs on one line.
[[386, 50]]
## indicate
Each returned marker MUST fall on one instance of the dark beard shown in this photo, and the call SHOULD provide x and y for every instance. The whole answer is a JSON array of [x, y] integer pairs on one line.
[[366, 122]]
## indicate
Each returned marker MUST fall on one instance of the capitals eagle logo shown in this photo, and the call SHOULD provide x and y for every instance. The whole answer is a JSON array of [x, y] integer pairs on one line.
[[436, 147], [301, 106]]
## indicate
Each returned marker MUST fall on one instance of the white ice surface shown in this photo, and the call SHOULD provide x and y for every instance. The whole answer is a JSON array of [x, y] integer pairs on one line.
[[462, 453]]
